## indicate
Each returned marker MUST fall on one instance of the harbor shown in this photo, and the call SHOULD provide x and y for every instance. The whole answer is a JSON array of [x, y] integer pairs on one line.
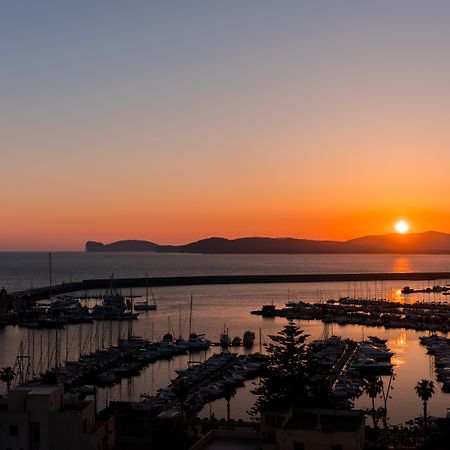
[[228, 306]]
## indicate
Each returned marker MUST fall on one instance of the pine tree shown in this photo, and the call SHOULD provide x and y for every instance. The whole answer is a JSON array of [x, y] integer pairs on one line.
[[287, 368]]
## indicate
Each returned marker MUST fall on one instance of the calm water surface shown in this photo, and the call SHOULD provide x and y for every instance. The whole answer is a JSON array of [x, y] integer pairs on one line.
[[23, 270]]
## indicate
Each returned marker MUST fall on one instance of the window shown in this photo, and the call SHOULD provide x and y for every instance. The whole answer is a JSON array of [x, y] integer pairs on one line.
[[13, 430], [299, 446], [337, 447]]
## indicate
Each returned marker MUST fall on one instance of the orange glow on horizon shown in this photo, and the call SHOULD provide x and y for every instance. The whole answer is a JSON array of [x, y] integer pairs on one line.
[[68, 230]]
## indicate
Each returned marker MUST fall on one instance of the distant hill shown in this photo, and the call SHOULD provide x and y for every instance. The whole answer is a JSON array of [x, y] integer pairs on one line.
[[428, 242], [122, 246]]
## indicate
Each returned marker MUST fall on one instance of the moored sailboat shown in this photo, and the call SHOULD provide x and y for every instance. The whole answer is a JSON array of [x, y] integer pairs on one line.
[[146, 306]]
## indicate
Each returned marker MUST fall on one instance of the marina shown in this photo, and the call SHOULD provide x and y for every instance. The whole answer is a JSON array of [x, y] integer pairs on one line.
[[419, 316], [231, 304]]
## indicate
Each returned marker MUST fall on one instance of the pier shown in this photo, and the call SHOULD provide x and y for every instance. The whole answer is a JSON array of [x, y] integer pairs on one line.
[[107, 283]]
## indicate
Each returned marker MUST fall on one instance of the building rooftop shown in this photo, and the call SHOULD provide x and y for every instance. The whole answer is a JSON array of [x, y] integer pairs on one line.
[[75, 405], [38, 389], [325, 420], [229, 440], [44, 390]]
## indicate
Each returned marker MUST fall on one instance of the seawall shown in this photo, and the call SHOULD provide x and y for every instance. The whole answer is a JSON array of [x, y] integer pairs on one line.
[[106, 283]]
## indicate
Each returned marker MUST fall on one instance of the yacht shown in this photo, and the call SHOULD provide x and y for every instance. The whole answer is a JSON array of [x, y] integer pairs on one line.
[[198, 342], [376, 353], [146, 306], [369, 365]]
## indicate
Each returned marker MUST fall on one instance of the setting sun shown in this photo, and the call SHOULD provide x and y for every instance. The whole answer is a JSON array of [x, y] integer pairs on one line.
[[402, 226]]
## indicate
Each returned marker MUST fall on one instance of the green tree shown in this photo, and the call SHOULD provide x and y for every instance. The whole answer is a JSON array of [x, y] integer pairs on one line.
[[425, 390], [287, 368], [228, 392], [7, 375], [373, 387]]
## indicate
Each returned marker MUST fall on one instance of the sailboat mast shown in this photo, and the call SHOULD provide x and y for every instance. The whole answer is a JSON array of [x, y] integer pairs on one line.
[[50, 275], [56, 348], [130, 321], [67, 344], [80, 340], [190, 317], [111, 283]]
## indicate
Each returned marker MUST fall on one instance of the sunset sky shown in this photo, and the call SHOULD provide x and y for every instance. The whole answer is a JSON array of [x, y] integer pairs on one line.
[[173, 121]]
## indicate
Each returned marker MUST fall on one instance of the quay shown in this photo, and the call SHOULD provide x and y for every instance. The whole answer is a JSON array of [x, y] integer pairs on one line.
[[107, 283]]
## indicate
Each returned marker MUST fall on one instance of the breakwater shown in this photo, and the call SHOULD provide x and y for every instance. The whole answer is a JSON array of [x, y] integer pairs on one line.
[[106, 283]]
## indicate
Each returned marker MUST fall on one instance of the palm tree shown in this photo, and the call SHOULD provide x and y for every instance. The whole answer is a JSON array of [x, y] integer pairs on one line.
[[7, 375], [228, 392], [385, 395], [425, 390], [373, 387]]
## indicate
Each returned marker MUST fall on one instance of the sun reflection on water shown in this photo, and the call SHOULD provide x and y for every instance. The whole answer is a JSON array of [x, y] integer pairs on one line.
[[402, 264], [399, 346]]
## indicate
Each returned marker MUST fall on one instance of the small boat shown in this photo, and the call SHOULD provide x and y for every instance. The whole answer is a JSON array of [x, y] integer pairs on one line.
[[146, 306], [376, 340], [249, 339], [224, 339], [268, 310], [182, 343], [407, 290], [198, 342], [107, 378], [236, 342], [369, 365], [376, 353]]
